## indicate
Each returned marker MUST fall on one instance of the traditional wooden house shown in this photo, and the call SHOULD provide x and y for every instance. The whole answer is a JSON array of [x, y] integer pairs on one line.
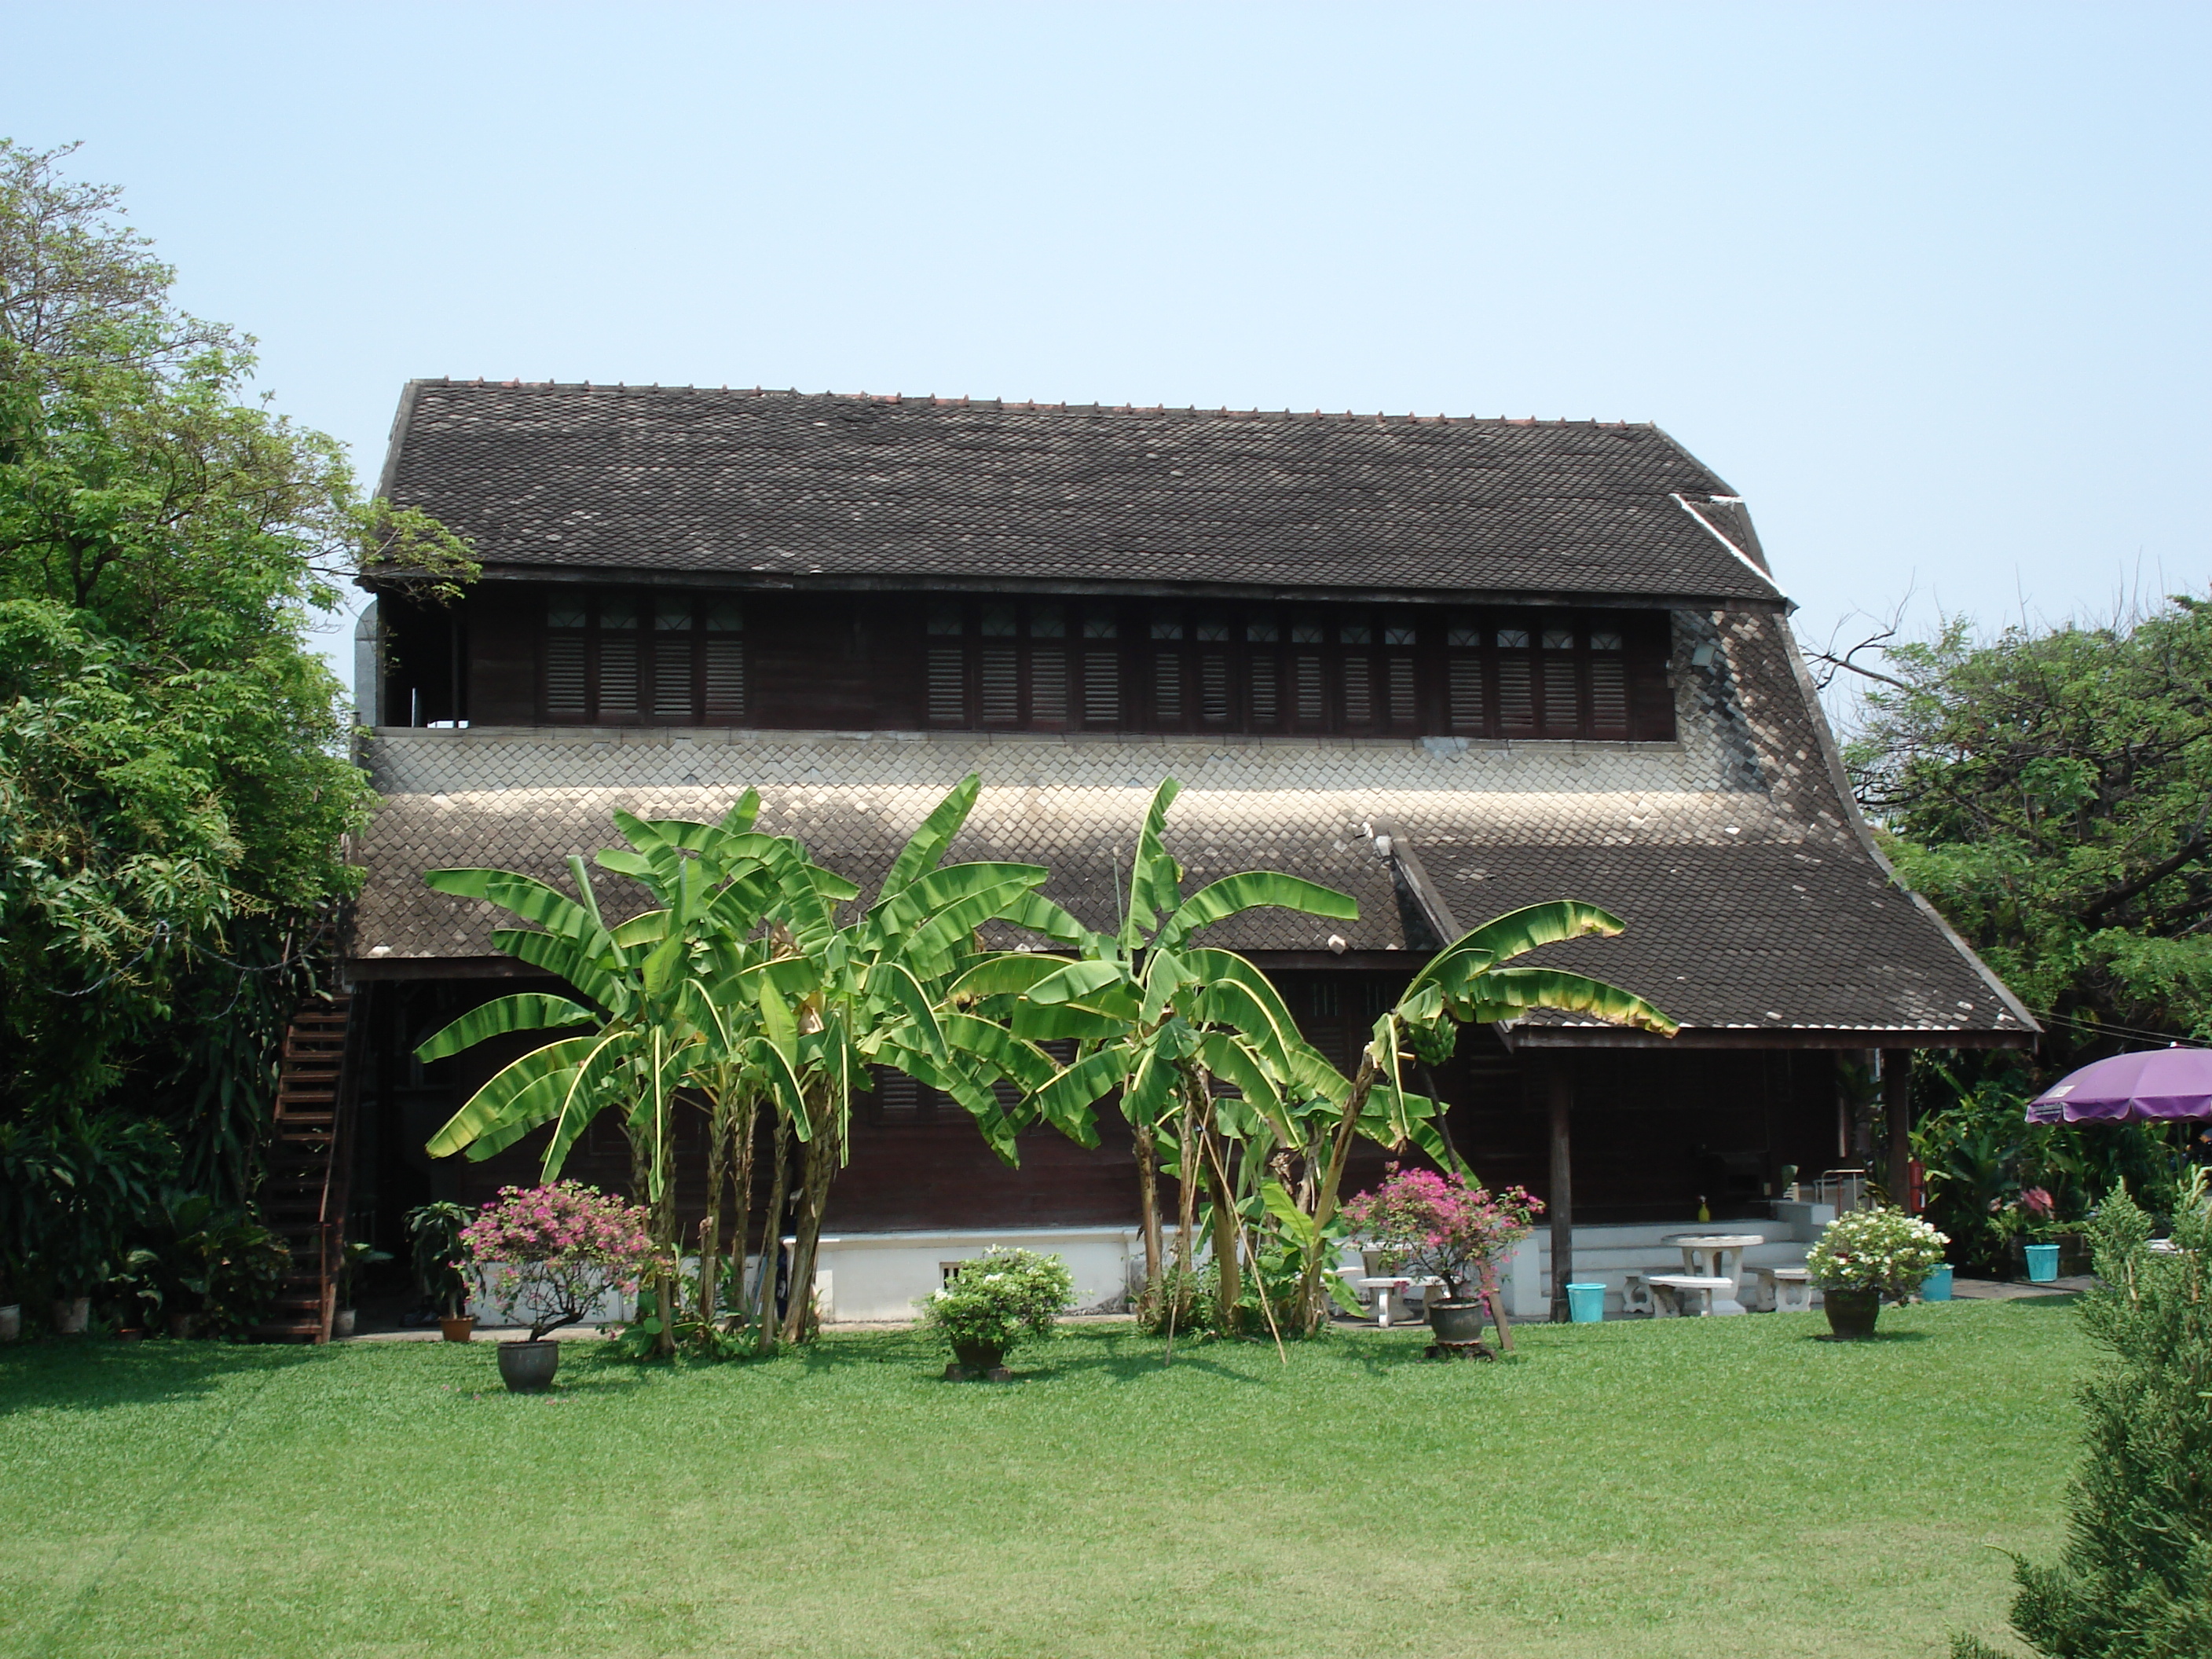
[[1450, 666]]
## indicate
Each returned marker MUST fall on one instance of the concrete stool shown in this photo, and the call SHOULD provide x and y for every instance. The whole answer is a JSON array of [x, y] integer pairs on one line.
[[1785, 1290], [1689, 1295], [1636, 1294]]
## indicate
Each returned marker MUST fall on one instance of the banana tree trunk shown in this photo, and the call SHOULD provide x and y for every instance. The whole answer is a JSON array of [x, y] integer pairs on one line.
[[1148, 1196], [818, 1168], [1347, 1126], [1229, 1279], [772, 1238], [710, 1230]]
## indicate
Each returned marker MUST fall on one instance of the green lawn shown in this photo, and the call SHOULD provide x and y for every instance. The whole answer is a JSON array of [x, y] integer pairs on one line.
[[1716, 1488]]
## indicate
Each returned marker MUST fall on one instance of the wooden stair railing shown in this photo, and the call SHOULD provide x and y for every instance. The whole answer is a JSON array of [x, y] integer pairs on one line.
[[303, 1198]]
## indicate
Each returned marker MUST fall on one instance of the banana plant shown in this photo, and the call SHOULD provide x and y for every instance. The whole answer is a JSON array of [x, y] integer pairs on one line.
[[1206, 1058], [644, 990], [1467, 983]]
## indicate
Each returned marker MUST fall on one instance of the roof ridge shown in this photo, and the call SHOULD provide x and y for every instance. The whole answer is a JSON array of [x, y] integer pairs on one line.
[[1029, 407]]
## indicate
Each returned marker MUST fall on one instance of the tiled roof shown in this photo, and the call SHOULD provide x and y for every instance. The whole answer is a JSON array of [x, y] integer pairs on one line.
[[779, 487], [1750, 899]]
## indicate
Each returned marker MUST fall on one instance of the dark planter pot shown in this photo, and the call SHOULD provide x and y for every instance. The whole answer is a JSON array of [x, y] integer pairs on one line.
[[980, 1356], [458, 1330], [71, 1315], [1458, 1322], [11, 1322], [1851, 1314], [182, 1326], [341, 1324], [528, 1367]]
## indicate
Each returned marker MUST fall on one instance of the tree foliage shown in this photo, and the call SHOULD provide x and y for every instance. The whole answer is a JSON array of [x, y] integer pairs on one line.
[[174, 785], [2051, 793], [2134, 1578]]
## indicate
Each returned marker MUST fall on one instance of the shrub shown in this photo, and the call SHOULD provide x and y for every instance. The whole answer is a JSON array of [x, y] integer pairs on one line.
[[204, 1258], [1442, 1225], [550, 1254], [1884, 1250], [434, 1233], [992, 1300], [2135, 1579]]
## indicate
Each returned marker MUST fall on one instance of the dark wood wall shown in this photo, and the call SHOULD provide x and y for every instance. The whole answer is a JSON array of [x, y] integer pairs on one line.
[[1654, 1130], [870, 661]]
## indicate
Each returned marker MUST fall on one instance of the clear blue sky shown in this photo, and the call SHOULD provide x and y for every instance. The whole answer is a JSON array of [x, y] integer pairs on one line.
[[1928, 283]]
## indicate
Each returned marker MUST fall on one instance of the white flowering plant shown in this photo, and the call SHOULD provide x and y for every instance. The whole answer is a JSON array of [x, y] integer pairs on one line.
[[992, 1300], [1884, 1251]]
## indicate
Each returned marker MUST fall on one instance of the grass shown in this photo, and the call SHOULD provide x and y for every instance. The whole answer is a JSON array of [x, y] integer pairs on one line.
[[1687, 1488]]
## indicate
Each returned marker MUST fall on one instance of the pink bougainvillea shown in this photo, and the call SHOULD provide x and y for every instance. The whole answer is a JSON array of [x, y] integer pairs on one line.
[[1442, 1225], [551, 1253]]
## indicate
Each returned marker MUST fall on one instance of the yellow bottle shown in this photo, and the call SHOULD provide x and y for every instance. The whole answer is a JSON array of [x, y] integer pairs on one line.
[[1703, 1213]]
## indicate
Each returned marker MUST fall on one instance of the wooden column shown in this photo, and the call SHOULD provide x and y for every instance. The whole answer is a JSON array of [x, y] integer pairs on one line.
[[1560, 1083], [1897, 1106]]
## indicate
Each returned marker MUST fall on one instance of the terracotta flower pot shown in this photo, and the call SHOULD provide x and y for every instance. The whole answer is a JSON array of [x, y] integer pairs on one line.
[[1851, 1314], [458, 1330], [72, 1315], [528, 1367]]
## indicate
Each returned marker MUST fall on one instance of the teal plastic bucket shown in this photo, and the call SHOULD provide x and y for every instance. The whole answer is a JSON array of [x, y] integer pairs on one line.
[[1937, 1287], [1586, 1304], [2042, 1263]]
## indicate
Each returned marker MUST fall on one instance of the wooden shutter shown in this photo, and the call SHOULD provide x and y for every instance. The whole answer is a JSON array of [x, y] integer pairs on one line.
[[673, 703], [1517, 683], [1562, 712], [619, 657], [945, 699], [568, 684], [1217, 706], [1263, 670], [1047, 632], [1464, 712], [1170, 712], [726, 661], [1608, 683], [1102, 673], [1402, 708], [1308, 678]]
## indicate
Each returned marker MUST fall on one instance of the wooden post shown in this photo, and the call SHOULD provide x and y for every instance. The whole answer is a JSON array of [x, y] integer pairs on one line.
[[1561, 1085], [1897, 1102]]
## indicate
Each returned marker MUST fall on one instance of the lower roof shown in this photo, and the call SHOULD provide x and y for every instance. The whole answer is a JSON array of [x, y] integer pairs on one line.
[[1746, 921]]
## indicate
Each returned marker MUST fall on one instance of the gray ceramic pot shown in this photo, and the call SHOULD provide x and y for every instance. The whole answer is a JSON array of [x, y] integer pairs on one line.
[[527, 1367], [11, 1322], [72, 1315], [1457, 1322], [1851, 1314]]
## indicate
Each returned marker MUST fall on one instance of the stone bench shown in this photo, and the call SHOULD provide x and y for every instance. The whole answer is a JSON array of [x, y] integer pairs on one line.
[[1688, 1295], [1784, 1290]]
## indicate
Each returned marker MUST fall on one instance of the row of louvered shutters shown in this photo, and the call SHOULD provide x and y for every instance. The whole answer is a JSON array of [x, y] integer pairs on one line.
[[683, 664], [1506, 693]]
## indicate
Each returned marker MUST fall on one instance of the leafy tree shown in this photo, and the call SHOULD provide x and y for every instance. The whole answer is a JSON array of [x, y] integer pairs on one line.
[[174, 788], [2135, 1579], [2051, 793]]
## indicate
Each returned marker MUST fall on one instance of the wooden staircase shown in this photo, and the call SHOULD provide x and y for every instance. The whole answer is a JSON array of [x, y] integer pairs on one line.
[[303, 1199]]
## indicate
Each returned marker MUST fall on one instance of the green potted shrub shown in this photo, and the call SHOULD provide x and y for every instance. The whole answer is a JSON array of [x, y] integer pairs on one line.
[[82, 1181], [988, 1304], [548, 1255], [204, 1268], [433, 1234], [1865, 1255]]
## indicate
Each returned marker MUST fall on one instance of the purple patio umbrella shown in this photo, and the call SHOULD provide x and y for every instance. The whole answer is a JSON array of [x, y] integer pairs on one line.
[[2154, 1083]]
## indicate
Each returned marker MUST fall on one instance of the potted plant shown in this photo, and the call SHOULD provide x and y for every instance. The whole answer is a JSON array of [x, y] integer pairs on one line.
[[987, 1305], [1447, 1227], [358, 1252], [434, 1233], [1865, 1255], [549, 1255], [82, 1181]]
